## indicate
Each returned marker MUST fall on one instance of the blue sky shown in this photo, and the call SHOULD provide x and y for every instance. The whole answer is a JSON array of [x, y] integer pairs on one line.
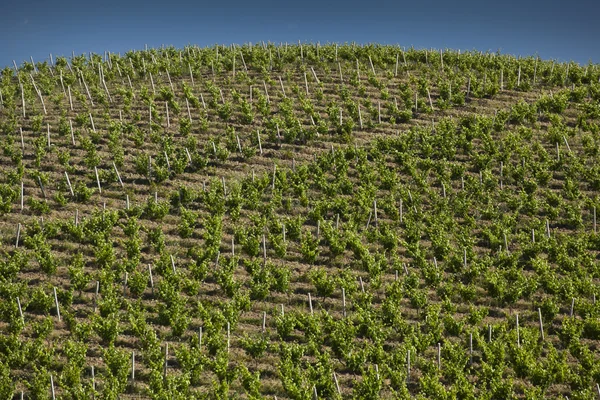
[[552, 29]]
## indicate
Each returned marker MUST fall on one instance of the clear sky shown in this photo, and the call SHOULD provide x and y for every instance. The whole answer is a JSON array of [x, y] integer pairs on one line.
[[561, 30]]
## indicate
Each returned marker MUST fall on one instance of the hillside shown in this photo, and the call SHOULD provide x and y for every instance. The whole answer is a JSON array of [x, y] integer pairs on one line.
[[299, 221]]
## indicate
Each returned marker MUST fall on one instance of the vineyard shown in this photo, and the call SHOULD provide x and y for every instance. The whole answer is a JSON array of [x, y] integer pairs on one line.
[[299, 222]]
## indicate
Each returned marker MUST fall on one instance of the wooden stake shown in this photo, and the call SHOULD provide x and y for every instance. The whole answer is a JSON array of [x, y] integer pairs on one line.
[[92, 121], [56, 303], [173, 264], [306, 83], [541, 323], [430, 102], [439, 355], [106, 89], [118, 175], [69, 184], [52, 386], [152, 83], [266, 92], [572, 306], [259, 144], [22, 97], [315, 75], [244, 62], [168, 119], [125, 283], [282, 89], [567, 143], [310, 304], [191, 75], [132, 366], [86, 88], [167, 160], [400, 210], [337, 384], [151, 279], [518, 334], [39, 93], [360, 117], [416, 102], [20, 310], [41, 186], [98, 180], [228, 336], [471, 348], [170, 82], [344, 302]]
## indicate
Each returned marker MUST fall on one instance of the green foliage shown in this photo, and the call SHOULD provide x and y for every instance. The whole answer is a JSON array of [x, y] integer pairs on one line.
[[324, 283], [7, 196], [187, 222], [309, 247], [480, 215], [7, 385]]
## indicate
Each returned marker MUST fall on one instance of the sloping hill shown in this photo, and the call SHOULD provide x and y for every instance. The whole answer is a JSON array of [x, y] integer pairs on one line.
[[302, 221]]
